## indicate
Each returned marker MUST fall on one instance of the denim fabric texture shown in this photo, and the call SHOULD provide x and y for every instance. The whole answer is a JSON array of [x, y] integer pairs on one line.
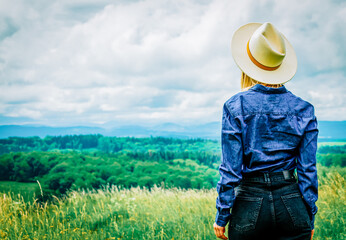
[[269, 210], [267, 129]]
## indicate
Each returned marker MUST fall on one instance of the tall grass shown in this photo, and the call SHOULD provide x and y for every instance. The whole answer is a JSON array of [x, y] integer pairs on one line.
[[114, 213], [19, 190], [331, 217]]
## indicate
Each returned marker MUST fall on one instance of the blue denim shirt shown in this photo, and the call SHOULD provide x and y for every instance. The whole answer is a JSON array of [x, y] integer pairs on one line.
[[266, 129]]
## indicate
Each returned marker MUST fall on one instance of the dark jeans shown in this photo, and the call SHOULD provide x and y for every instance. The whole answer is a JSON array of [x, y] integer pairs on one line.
[[269, 208]]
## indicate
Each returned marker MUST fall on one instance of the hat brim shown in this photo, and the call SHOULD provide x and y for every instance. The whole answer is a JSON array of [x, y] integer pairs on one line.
[[284, 73]]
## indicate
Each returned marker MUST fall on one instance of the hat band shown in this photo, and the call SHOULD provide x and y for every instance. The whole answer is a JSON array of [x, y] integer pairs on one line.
[[258, 64]]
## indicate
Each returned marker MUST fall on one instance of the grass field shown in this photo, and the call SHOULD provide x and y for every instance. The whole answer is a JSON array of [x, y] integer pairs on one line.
[[135, 213], [19, 190]]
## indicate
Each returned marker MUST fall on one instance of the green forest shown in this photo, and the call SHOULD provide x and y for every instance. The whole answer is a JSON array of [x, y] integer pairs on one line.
[[97, 187], [92, 161]]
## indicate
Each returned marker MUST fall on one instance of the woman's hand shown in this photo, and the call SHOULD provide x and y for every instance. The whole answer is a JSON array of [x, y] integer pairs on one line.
[[312, 233], [220, 231]]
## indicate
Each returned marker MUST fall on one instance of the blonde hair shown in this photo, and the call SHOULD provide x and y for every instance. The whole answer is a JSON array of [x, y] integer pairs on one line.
[[247, 82]]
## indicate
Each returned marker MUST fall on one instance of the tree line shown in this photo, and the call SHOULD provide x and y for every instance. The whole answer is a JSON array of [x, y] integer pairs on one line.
[[100, 142], [90, 161], [202, 150], [58, 172]]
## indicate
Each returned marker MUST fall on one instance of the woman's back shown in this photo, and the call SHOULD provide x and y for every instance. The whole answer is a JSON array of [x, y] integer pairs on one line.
[[267, 133], [273, 122]]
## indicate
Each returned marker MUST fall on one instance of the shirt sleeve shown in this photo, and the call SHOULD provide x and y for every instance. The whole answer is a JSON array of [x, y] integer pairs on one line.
[[230, 167], [306, 167]]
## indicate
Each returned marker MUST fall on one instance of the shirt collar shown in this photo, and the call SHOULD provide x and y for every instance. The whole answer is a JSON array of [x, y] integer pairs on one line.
[[261, 88]]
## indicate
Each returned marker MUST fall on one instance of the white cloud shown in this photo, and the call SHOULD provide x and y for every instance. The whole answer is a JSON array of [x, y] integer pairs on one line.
[[155, 61]]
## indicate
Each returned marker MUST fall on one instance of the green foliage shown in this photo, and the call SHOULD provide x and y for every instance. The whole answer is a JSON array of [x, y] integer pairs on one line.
[[332, 155], [204, 151], [6, 167], [59, 172], [331, 215], [113, 213], [140, 213], [20, 191], [332, 149], [75, 168], [91, 161], [103, 143]]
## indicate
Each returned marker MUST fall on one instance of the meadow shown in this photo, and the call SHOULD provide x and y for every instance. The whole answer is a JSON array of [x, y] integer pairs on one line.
[[140, 213], [156, 188], [19, 190]]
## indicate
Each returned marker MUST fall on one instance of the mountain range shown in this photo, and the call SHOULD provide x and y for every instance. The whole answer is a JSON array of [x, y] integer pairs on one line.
[[328, 130]]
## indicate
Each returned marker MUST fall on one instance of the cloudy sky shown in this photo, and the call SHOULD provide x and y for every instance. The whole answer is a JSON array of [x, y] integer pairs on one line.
[[86, 62]]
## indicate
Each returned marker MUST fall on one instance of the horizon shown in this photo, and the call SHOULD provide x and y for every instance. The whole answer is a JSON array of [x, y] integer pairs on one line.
[[112, 125], [328, 130]]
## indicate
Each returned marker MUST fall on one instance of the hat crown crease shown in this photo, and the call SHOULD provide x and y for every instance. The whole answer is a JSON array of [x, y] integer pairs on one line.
[[279, 50], [274, 39], [267, 45]]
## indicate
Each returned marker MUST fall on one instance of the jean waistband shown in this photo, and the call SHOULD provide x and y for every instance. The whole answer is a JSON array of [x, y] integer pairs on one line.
[[269, 176]]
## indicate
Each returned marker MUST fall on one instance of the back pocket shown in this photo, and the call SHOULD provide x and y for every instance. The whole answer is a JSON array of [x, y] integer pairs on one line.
[[297, 210], [245, 213]]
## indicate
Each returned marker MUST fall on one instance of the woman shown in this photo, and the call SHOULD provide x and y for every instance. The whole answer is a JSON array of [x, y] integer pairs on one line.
[[268, 177]]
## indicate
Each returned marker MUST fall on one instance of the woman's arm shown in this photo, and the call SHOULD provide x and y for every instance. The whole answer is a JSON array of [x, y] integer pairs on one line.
[[230, 167], [306, 167]]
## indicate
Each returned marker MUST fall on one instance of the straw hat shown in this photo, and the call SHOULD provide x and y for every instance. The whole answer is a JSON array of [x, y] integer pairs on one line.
[[263, 53]]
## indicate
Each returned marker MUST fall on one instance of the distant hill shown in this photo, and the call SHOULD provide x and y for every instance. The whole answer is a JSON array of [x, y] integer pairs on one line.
[[332, 129], [328, 130], [42, 131]]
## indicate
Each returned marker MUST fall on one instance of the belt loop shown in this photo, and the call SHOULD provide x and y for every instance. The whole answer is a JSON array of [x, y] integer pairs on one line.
[[266, 177], [286, 174]]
